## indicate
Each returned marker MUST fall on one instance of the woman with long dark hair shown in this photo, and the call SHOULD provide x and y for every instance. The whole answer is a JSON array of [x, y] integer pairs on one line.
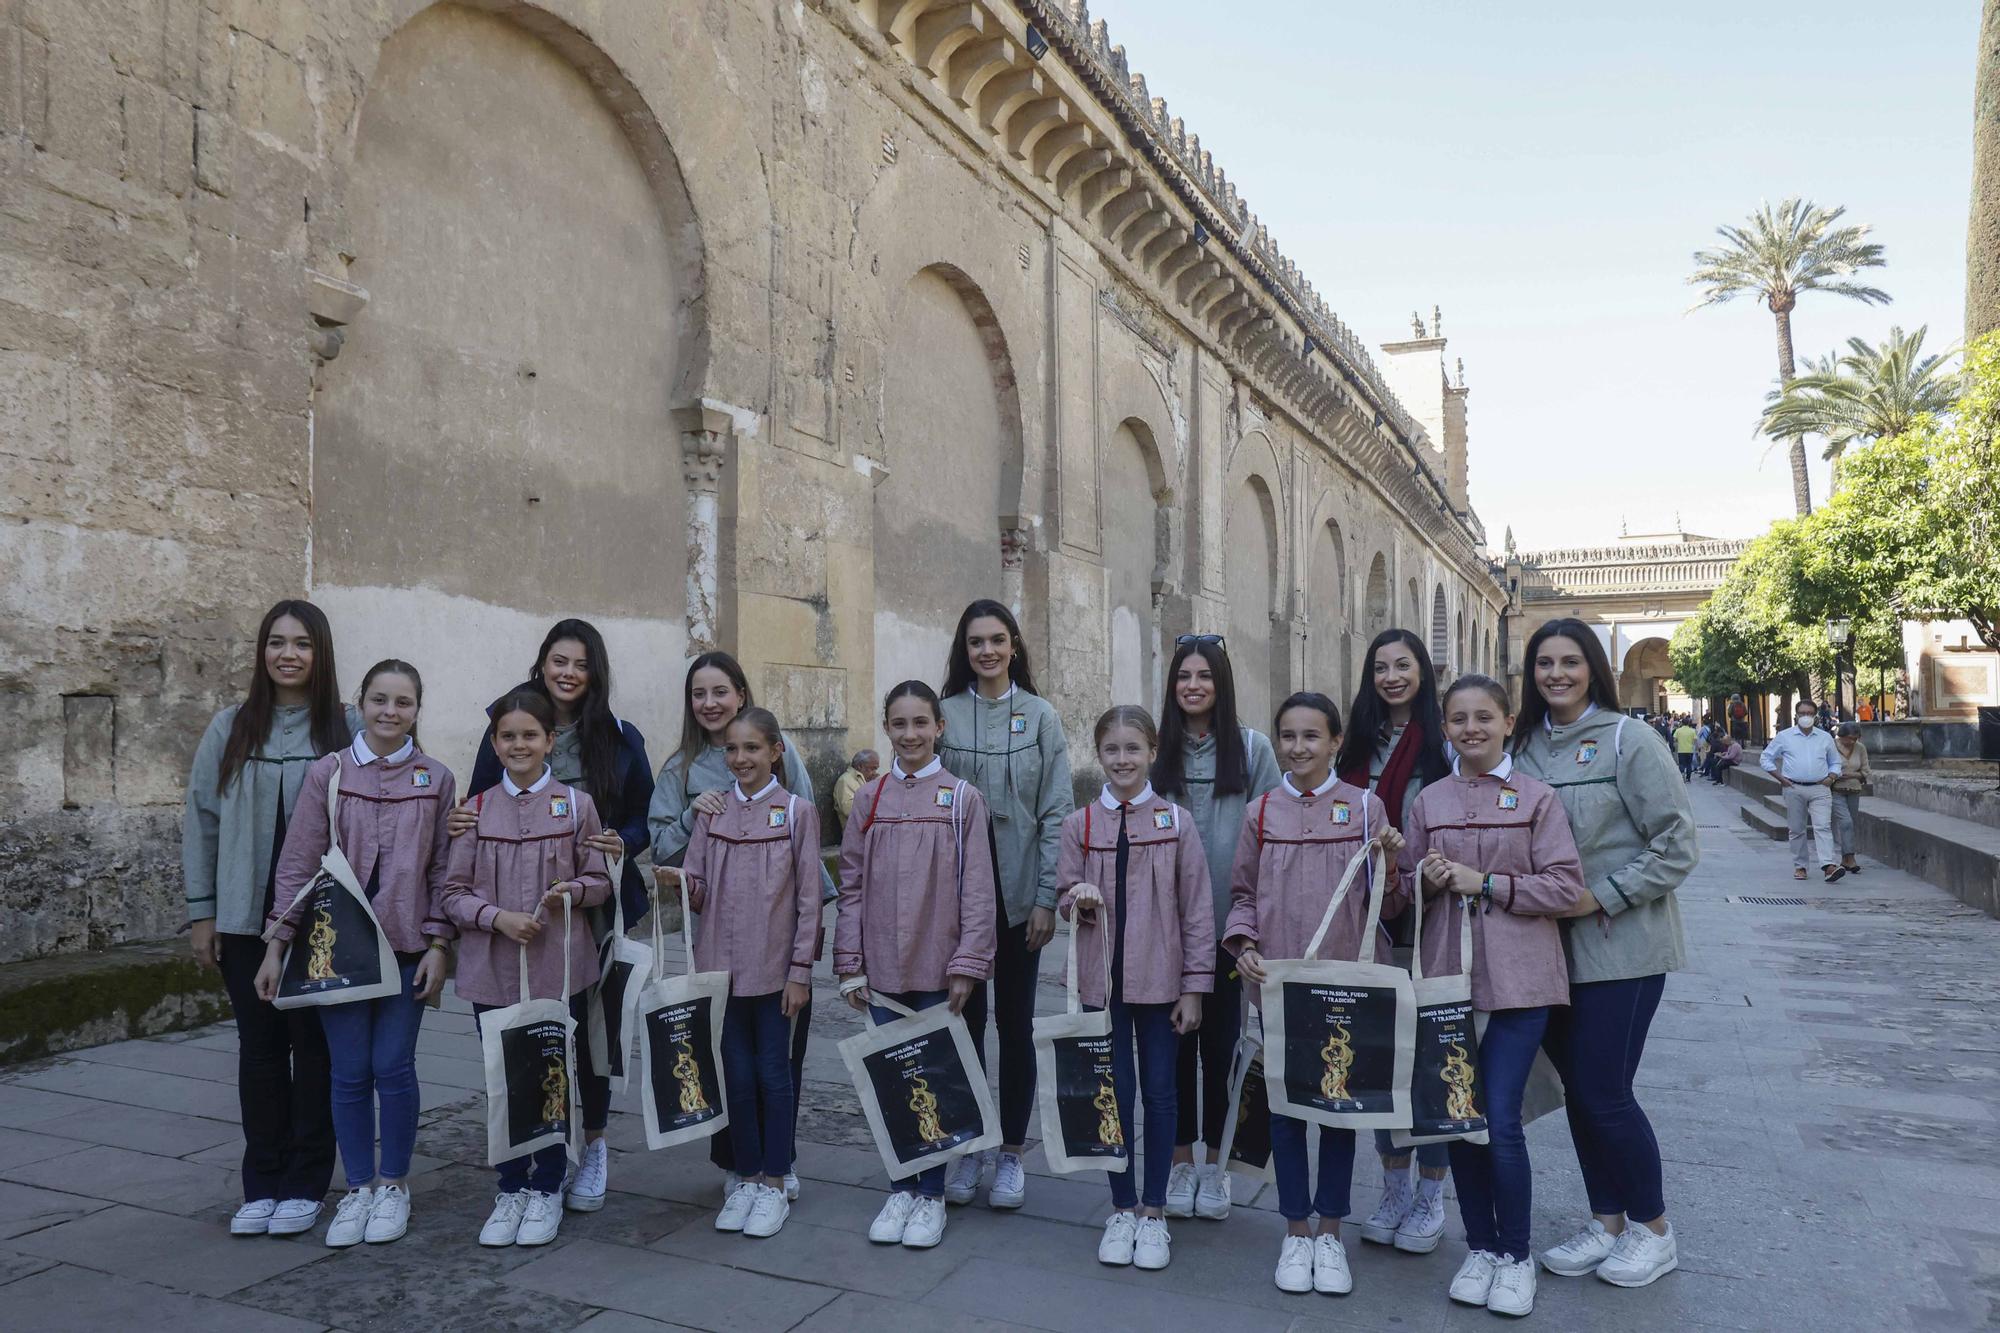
[[1635, 834], [244, 785], [1007, 741], [1394, 747], [598, 753], [1215, 767]]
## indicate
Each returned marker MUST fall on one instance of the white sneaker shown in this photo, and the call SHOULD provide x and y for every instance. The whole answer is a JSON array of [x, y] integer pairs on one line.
[[1424, 1226], [1513, 1288], [1181, 1190], [1397, 1196], [294, 1216], [791, 1187], [1330, 1273], [1010, 1183], [541, 1218], [350, 1219], [1154, 1247], [503, 1224], [926, 1225], [1295, 1264], [887, 1228], [1211, 1196], [768, 1212], [389, 1215], [1474, 1282], [253, 1218], [1121, 1230], [1581, 1253], [962, 1181], [1640, 1257], [593, 1177], [730, 1180], [736, 1208]]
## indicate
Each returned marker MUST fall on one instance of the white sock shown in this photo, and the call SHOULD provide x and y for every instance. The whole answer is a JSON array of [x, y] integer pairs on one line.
[[1428, 1188]]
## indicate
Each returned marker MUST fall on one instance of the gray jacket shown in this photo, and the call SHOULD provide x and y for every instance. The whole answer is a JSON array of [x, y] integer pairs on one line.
[[1013, 750], [1628, 809], [670, 818], [1219, 819], [229, 839]]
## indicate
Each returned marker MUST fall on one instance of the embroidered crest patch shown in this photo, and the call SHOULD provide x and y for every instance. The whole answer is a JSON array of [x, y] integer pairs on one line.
[[1586, 752], [421, 778], [558, 807], [944, 795], [1163, 818], [777, 817], [1509, 799], [1018, 724], [1342, 813]]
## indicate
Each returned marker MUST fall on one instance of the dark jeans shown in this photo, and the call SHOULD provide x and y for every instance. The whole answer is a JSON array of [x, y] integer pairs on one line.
[[1152, 1027], [1686, 761], [1014, 1017], [930, 1182], [722, 1148], [1296, 1198], [1595, 1045], [283, 1085], [757, 1072], [543, 1170], [1722, 767], [1495, 1182], [373, 1046], [1202, 1102]]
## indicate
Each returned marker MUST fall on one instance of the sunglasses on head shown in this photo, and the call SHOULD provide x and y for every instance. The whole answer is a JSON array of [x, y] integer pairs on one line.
[[1197, 639]]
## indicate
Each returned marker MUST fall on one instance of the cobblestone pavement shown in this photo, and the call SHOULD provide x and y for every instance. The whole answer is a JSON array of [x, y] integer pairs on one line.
[[1823, 1080]]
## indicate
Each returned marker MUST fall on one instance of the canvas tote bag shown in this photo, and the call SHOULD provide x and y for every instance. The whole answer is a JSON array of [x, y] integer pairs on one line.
[[614, 1001], [1339, 1036], [679, 1020], [922, 1088], [1073, 1084], [1246, 1129], [338, 953], [1446, 1100], [530, 1045]]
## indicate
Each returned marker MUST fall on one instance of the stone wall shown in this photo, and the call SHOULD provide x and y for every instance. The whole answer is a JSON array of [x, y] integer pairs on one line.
[[784, 328]]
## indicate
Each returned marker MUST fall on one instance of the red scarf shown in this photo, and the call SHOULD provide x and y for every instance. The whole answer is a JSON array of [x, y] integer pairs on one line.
[[1395, 780]]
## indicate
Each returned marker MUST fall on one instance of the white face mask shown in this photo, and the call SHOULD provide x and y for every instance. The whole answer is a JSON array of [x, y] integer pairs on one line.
[[1806, 721]]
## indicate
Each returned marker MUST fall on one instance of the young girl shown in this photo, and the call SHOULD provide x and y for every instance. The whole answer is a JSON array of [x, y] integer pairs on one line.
[[1635, 834], [1294, 848], [1008, 742], [753, 876], [916, 913], [694, 782], [392, 813], [241, 792], [1495, 843], [594, 752], [1216, 767], [1394, 747], [1135, 867], [531, 848]]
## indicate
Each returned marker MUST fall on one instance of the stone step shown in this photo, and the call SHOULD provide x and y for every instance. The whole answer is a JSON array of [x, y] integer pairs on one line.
[[51, 1005]]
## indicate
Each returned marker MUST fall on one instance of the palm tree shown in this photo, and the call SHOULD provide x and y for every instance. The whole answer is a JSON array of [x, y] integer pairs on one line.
[[1796, 247], [1870, 393]]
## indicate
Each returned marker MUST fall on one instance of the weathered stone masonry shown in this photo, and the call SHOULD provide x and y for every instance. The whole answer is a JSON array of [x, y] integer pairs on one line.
[[783, 327]]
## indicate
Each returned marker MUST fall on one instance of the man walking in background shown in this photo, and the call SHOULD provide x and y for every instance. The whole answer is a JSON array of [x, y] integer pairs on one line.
[[1805, 762], [1685, 737], [862, 768]]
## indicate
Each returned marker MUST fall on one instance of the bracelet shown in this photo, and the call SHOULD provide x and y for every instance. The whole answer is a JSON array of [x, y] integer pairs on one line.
[[1486, 889], [439, 942]]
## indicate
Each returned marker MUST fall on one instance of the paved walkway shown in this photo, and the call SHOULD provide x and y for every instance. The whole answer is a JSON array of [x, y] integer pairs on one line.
[[1824, 1081]]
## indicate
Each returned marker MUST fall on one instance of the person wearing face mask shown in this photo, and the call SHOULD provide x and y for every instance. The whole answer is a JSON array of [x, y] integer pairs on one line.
[[1806, 764]]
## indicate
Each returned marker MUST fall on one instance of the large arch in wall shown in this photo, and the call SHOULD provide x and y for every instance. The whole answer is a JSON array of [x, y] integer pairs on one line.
[[1253, 564], [1329, 647], [1643, 675], [1377, 607], [494, 445], [1417, 621], [1137, 556]]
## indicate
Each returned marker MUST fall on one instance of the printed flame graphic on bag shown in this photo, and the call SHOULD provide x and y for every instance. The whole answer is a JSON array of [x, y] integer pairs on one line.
[[555, 1093], [688, 1075], [319, 963], [1108, 1131], [924, 1103], [1457, 1076], [1338, 1054]]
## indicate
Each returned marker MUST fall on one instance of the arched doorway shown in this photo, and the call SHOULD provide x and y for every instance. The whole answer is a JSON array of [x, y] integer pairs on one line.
[[1642, 680], [1327, 598], [1135, 491], [1378, 596], [1250, 573]]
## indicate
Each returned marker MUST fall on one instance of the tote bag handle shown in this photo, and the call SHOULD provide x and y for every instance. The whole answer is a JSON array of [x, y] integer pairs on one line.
[[659, 940], [565, 953], [896, 1006], [1071, 998], [1370, 857], [1464, 932]]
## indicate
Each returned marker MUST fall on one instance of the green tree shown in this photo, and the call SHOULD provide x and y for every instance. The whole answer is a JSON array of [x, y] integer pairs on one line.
[[1761, 629], [1777, 255], [1870, 393]]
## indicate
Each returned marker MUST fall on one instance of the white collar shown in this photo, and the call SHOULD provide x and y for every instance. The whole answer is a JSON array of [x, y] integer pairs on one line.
[[1549, 719], [365, 756], [1323, 787], [1000, 698], [766, 790], [896, 768], [507, 782], [1502, 770], [1112, 803]]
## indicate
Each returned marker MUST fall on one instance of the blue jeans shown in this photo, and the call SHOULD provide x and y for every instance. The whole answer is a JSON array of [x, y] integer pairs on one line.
[[1152, 1025], [373, 1048], [543, 1169], [757, 1072], [1495, 1182], [1427, 1154], [929, 1183], [1296, 1199], [1595, 1045]]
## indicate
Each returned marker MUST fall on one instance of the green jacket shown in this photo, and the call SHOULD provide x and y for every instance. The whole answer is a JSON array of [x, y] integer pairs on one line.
[[1628, 809], [1219, 819], [1014, 751]]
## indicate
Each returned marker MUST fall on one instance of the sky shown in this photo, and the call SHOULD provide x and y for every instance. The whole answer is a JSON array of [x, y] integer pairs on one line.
[[1544, 172]]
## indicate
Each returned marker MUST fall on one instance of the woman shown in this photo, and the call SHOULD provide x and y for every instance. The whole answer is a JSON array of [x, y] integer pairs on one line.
[[1007, 741], [1214, 767], [241, 792], [1635, 834], [597, 753], [1849, 785], [696, 781], [1394, 747]]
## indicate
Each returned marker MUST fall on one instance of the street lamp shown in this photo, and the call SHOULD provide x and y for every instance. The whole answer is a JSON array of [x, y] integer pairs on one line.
[[1839, 634]]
